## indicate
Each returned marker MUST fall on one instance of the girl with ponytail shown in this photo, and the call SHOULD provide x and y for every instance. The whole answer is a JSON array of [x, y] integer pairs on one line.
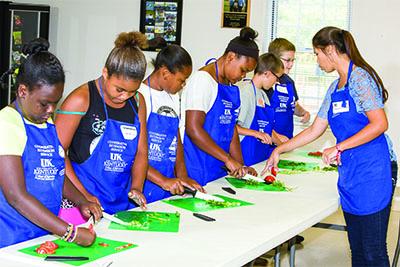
[[210, 107], [353, 108], [32, 164], [102, 125]]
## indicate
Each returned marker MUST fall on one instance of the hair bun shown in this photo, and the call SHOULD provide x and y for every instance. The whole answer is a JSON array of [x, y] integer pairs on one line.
[[126, 39], [248, 33], [35, 46]]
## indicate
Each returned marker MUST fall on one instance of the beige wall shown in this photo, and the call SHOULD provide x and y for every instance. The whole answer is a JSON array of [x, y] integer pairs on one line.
[[82, 34]]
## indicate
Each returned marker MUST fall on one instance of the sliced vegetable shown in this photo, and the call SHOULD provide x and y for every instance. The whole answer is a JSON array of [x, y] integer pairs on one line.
[[274, 171], [317, 154]]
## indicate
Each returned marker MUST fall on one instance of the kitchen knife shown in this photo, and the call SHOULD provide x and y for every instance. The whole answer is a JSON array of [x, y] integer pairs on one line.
[[249, 177], [66, 258], [200, 195], [114, 219]]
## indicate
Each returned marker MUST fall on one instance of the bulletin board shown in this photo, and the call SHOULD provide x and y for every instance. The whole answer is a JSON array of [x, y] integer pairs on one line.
[[161, 19]]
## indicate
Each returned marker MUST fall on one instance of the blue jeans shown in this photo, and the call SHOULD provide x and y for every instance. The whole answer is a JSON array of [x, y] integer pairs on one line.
[[367, 238]]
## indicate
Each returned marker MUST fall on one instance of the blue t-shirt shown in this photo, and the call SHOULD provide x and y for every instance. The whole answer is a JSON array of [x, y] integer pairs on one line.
[[366, 95]]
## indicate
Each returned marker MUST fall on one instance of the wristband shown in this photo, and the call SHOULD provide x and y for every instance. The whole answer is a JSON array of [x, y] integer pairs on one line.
[[68, 232]]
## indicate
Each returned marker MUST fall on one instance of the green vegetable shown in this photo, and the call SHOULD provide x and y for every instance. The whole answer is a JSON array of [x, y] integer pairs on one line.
[[252, 182], [223, 204], [329, 169]]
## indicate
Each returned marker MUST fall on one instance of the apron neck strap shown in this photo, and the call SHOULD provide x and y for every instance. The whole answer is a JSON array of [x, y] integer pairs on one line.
[[349, 72], [151, 98], [102, 96], [216, 66]]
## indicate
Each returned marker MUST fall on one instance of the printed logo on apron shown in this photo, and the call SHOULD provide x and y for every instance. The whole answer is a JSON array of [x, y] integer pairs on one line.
[[116, 162], [46, 171], [226, 118]]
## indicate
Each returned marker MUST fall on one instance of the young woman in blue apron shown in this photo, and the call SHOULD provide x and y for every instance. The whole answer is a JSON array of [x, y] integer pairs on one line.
[[284, 96], [256, 116], [167, 171], [103, 125], [353, 108], [211, 140], [32, 159]]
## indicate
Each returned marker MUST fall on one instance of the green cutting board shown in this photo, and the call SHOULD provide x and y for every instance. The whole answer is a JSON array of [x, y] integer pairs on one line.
[[148, 221], [290, 166], [239, 183], [94, 252], [199, 205]]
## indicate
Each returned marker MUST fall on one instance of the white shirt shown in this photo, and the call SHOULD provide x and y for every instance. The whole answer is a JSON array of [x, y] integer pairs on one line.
[[163, 103], [199, 93]]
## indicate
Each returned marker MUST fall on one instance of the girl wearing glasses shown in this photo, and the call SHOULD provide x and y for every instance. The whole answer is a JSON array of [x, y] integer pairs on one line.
[[256, 116], [284, 96]]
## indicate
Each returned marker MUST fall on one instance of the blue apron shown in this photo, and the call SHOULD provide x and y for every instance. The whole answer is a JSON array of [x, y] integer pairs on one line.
[[106, 174], [283, 102], [220, 122], [253, 150], [365, 174], [44, 168], [163, 139]]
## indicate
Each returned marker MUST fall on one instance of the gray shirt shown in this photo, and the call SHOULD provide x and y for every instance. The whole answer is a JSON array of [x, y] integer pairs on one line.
[[248, 101]]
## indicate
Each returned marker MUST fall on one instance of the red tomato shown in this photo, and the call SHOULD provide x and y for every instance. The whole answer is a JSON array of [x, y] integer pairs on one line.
[[44, 250], [50, 245], [273, 171], [269, 179]]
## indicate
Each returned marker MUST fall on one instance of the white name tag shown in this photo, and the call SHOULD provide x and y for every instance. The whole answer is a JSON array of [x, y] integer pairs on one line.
[[281, 89], [129, 132], [340, 107]]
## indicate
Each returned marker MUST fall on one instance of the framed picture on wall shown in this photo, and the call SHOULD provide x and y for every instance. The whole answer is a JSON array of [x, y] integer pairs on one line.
[[235, 13], [161, 22]]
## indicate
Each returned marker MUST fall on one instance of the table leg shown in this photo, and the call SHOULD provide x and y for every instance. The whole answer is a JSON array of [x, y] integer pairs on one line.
[[292, 249], [277, 257]]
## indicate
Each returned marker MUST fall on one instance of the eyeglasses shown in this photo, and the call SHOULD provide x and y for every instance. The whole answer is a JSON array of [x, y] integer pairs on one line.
[[288, 60], [275, 75]]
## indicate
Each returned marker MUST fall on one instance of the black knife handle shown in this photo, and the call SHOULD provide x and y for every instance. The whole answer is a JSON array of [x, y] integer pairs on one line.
[[66, 258], [203, 217], [189, 191], [225, 168], [229, 190]]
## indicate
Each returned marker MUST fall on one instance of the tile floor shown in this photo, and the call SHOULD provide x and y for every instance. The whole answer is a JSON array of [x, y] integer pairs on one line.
[[325, 247]]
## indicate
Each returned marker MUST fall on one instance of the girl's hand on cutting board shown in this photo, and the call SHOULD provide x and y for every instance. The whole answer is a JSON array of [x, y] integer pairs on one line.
[[234, 167], [173, 185], [251, 170], [272, 162], [138, 197], [85, 237]]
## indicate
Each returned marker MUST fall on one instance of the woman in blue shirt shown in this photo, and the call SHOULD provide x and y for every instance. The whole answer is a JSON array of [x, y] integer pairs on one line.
[[353, 108]]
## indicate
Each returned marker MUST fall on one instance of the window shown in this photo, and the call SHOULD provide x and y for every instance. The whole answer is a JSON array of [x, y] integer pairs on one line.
[[298, 21]]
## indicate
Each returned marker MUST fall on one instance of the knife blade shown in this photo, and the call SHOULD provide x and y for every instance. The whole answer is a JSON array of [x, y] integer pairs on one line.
[[252, 177], [114, 219], [200, 195]]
